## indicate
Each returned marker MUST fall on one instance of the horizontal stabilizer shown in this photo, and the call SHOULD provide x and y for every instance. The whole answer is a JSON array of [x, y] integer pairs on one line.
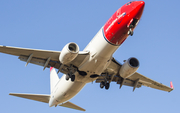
[[71, 105], [36, 97], [45, 99]]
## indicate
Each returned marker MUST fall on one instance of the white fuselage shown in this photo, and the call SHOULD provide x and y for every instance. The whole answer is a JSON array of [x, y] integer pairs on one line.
[[99, 58]]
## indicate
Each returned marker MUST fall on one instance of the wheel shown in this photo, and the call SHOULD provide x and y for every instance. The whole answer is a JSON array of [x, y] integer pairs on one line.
[[67, 77], [72, 78], [102, 84], [130, 32], [107, 86]]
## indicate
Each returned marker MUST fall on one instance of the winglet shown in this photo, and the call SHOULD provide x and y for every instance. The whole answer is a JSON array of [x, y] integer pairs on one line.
[[171, 85], [51, 68]]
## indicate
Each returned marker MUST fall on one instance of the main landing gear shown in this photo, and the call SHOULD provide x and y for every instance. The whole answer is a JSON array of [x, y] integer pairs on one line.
[[107, 80], [70, 76], [71, 70], [102, 84]]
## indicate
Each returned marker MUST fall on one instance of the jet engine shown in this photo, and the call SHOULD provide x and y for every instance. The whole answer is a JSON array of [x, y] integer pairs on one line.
[[129, 67], [69, 53]]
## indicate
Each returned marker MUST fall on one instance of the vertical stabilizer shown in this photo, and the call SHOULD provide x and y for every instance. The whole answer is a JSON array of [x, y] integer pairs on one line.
[[53, 78]]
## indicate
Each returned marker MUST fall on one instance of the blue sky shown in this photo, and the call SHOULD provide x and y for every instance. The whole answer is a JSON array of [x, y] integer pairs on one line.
[[50, 25]]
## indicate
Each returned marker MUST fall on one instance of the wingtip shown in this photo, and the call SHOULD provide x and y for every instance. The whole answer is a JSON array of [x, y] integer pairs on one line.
[[171, 85]]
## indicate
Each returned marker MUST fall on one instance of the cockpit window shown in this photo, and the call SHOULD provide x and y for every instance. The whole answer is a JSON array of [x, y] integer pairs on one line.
[[129, 2]]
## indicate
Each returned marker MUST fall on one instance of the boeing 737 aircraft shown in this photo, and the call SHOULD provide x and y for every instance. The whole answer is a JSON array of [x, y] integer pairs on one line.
[[94, 63]]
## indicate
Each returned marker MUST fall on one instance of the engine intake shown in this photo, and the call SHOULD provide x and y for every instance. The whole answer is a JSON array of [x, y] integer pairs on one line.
[[69, 53], [129, 67]]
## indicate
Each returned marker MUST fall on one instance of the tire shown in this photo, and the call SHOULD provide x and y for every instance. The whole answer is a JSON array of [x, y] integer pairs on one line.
[[107, 86], [130, 32], [102, 85], [67, 77], [72, 78]]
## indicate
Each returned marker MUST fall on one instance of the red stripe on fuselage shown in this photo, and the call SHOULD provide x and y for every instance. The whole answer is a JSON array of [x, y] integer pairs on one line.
[[115, 29]]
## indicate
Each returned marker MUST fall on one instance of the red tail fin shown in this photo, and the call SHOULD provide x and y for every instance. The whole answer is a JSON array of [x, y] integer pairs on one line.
[[171, 85], [51, 68]]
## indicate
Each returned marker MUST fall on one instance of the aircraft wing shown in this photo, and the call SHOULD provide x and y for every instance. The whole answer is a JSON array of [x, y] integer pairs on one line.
[[45, 58], [136, 80]]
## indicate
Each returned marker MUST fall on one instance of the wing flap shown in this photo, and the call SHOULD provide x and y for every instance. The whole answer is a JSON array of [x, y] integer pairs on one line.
[[72, 106], [36, 61], [36, 97]]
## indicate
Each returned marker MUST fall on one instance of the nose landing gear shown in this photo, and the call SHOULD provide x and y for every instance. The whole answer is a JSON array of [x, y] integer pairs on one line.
[[132, 24], [130, 32]]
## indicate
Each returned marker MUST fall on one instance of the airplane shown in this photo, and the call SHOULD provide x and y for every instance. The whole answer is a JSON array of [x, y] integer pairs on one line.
[[94, 63]]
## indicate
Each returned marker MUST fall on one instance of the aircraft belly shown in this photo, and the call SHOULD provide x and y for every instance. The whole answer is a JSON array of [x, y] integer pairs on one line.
[[100, 47], [100, 55], [73, 91], [67, 89]]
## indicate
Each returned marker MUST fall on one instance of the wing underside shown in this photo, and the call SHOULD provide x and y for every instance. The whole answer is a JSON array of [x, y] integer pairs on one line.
[[45, 58], [136, 80]]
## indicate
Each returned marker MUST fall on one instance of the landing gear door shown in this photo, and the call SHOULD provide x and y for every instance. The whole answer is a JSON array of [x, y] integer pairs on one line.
[[133, 23]]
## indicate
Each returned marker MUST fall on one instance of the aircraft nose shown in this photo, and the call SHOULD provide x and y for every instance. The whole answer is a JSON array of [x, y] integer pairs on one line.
[[139, 7], [142, 4]]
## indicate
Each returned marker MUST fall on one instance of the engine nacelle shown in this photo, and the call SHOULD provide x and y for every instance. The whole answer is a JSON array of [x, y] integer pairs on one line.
[[69, 53], [129, 67]]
